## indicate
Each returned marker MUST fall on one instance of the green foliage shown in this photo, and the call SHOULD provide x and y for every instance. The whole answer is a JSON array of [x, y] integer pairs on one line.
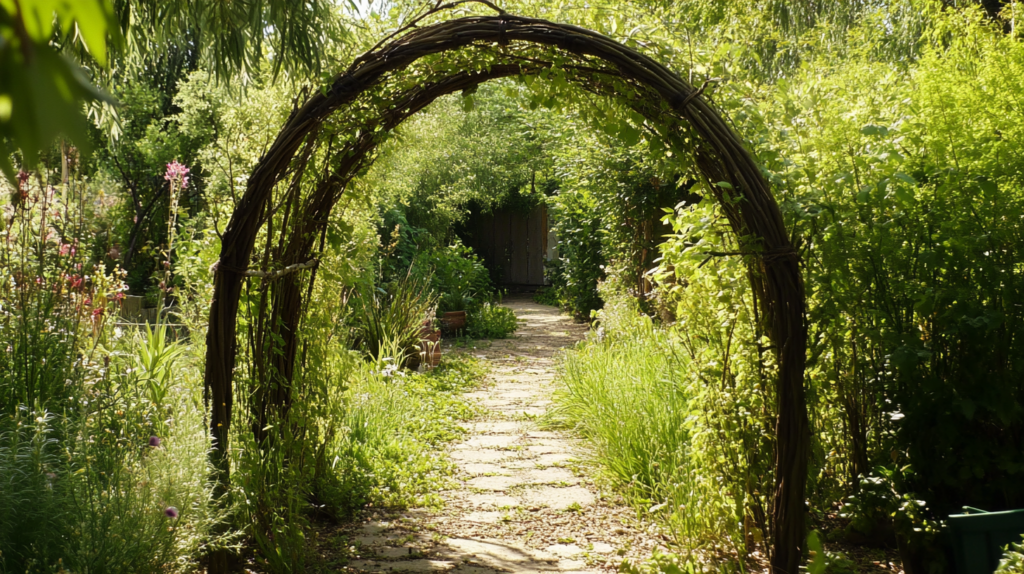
[[607, 214], [450, 158], [491, 321], [889, 131], [84, 488], [913, 216], [656, 455], [390, 320], [92, 490], [153, 135], [154, 364], [456, 270], [670, 563], [580, 264], [31, 512], [1012, 561], [231, 41], [394, 419], [821, 561], [546, 296], [453, 301], [42, 92]]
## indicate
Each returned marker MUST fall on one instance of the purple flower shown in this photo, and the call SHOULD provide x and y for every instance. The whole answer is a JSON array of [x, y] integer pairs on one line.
[[154, 441], [171, 512], [177, 172]]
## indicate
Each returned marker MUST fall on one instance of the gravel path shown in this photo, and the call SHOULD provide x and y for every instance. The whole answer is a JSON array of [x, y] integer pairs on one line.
[[525, 500]]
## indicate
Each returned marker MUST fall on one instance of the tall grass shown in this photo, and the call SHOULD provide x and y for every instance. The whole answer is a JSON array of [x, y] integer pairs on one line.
[[627, 392]]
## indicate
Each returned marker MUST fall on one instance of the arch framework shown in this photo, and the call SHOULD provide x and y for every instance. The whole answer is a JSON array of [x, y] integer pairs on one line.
[[344, 123]]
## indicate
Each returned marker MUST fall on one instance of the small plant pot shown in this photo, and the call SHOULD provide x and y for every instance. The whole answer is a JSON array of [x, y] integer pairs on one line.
[[454, 321]]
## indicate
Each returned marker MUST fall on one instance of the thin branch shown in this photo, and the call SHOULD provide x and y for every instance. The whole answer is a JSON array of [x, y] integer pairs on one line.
[[272, 275]]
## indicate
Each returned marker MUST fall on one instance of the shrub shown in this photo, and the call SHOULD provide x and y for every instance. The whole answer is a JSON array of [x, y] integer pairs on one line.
[[456, 272], [1013, 560], [574, 275], [546, 296], [914, 221], [491, 321]]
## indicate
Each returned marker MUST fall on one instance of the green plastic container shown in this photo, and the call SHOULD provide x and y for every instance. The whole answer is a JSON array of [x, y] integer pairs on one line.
[[979, 537]]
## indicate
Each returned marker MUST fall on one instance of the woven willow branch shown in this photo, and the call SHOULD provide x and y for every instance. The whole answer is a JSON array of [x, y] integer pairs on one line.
[[719, 156]]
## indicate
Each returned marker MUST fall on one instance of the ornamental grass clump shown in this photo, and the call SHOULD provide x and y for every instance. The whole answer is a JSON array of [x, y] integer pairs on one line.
[[390, 317], [628, 392]]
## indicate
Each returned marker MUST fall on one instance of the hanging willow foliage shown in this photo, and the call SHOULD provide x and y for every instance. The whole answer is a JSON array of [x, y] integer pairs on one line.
[[332, 137]]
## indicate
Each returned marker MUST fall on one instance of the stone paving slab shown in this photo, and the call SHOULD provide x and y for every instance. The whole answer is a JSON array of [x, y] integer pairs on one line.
[[559, 498], [479, 468], [492, 501], [469, 455], [489, 441], [495, 483]]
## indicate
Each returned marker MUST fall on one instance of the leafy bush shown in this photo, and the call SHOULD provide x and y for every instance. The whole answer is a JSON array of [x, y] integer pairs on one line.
[[580, 264], [915, 219], [1012, 561], [546, 296], [456, 272], [491, 321]]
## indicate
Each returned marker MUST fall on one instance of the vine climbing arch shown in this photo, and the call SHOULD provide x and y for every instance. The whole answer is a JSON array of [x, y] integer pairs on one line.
[[331, 138]]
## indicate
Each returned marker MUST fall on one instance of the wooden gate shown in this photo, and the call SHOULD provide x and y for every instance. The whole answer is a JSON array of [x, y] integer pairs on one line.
[[513, 244]]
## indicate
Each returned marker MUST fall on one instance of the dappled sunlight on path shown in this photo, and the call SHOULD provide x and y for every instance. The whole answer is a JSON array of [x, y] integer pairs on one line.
[[524, 500]]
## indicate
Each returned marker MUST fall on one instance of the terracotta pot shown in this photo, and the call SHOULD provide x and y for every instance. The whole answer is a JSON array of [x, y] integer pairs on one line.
[[455, 321]]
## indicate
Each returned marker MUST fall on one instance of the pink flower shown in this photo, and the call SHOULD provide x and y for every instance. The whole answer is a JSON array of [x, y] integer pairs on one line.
[[22, 180], [177, 172], [67, 249], [171, 512], [118, 296]]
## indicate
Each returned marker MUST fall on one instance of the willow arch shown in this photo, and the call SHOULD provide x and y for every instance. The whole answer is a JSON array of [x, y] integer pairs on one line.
[[372, 94]]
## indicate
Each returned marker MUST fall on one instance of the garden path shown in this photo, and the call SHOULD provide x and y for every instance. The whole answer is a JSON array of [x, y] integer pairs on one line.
[[525, 500]]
